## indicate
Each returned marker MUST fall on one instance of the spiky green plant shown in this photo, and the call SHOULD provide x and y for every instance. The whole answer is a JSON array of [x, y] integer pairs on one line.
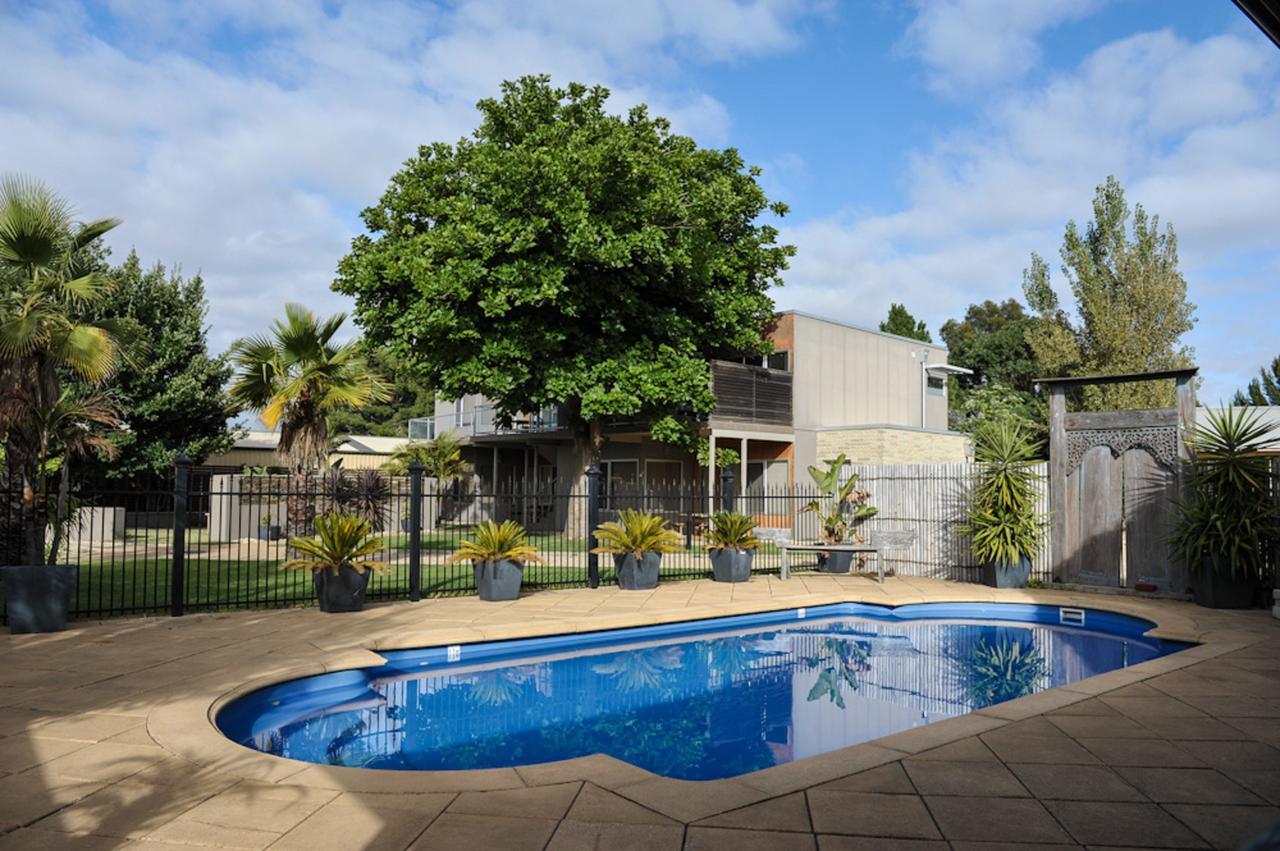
[[49, 274], [732, 531], [842, 506], [1230, 512], [297, 376], [1001, 670], [1003, 525], [636, 532], [497, 542], [340, 541]]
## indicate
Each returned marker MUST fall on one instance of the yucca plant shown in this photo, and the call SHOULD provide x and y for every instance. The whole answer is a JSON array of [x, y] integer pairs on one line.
[[340, 541], [1003, 526], [492, 541], [636, 533], [1229, 518], [338, 558], [498, 552], [731, 530], [1005, 669]]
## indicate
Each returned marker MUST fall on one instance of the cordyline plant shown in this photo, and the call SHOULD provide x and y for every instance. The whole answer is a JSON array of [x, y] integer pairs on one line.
[[842, 506], [1003, 525], [1230, 518], [48, 280]]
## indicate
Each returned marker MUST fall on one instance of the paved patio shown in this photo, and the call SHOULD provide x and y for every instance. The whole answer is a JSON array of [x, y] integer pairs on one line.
[[105, 742]]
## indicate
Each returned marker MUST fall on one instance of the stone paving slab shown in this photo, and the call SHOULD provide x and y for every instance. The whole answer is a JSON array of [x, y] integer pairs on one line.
[[105, 742]]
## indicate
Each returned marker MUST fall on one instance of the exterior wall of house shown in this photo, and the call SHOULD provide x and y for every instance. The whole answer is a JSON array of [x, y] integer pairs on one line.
[[854, 376], [892, 445]]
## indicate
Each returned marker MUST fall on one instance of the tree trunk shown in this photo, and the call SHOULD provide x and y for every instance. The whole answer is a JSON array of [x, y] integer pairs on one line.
[[588, 443], [60, 513]]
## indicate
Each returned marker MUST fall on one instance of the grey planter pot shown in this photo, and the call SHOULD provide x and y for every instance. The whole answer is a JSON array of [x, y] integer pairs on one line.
[[36, 597], [1215, 588], [269, 533], [731, 565], [999, 575], [498, 580], [343, 592], [836, 562], [637, 574]]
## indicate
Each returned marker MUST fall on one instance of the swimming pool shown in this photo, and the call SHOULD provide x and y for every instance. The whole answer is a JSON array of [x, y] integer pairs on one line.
[[698, 700]]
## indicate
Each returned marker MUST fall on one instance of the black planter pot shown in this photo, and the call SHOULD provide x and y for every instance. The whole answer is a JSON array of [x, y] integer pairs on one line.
[[836, 562], [342, 591], [637, 574], [36, 598], [729, 565], [1002, 575], [1216, 588], [498, 580]]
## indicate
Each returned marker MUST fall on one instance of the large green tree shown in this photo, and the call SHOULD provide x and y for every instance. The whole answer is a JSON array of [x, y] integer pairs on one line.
[[901, 322], [1263, 390], [564, 255], [1130, 298], [409, 397], [991, 340], [173, 399]]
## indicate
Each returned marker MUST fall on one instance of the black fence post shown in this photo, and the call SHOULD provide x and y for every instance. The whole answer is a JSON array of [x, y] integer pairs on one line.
[[415, 531], [726, 489], [593, 520], [178, 546]]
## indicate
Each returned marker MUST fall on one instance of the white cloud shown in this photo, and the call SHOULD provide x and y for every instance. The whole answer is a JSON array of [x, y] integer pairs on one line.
[[970, 43], [240, 138], [1189, 128]]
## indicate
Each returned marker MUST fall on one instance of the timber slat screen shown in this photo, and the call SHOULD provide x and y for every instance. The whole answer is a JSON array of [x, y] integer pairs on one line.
[[751, 393], [236, 528]]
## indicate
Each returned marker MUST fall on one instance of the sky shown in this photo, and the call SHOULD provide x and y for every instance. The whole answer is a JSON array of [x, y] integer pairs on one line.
[[924, 147]]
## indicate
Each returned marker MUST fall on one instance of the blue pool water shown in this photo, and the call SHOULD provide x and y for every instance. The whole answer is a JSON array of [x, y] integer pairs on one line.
[[696, 701]]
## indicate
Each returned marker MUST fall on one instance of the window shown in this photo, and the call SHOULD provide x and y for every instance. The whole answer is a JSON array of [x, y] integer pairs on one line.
[[663, 475], [766, 482], [937, 385], [621, 479], [458, 413], [780, 361]]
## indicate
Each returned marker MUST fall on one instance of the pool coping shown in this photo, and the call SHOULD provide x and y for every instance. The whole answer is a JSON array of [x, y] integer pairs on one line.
[[186, 727]]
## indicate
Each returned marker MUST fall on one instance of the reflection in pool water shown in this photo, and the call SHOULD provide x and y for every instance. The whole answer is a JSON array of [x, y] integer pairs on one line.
[[694, 708]]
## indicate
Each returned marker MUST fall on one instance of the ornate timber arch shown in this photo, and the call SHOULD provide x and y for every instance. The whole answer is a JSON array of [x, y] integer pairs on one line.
[[1111, 510]]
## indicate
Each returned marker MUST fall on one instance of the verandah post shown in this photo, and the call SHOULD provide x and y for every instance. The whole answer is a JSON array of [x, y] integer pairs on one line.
[[415, 530], [178, 545], [593, 520]]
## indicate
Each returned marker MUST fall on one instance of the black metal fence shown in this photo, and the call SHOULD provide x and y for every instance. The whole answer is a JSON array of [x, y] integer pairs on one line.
[[208, 540]]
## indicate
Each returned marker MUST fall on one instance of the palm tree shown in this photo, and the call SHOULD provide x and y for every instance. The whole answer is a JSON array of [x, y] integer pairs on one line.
[[440, 459], [297, 375], [48, 277]]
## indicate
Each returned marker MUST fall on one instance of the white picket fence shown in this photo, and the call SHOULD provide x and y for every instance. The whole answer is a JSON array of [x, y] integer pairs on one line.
[[929, 500]]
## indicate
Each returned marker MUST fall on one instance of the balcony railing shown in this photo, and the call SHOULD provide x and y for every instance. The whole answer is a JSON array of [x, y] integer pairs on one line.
[[482, 421], [751, 393]]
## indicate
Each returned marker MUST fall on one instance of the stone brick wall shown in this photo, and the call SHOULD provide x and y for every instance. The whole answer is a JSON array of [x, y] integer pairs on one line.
[[892, 446]]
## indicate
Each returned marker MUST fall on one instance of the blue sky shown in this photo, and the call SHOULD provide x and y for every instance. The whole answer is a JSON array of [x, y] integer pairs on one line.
[[926, 147]]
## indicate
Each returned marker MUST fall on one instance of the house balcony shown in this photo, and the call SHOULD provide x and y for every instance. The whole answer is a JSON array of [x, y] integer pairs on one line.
[[482, 421], [751, 394]]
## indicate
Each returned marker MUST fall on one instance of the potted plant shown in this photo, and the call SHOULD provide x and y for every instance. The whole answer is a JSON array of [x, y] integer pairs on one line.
[[337, 557], [841, 508], [498, 553], [1228, 519], [732, 545], [636, 540], [1003, 526], [266, 531]]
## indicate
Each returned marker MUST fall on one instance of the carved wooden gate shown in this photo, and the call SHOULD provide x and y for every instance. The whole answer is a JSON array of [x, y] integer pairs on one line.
[[1113, 476]]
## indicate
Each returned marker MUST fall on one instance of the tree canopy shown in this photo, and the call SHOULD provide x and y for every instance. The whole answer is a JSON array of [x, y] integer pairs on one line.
[[901, 322], [991, 340], [1130, 297], [564, 255], [172, 400], [1263, 390]]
